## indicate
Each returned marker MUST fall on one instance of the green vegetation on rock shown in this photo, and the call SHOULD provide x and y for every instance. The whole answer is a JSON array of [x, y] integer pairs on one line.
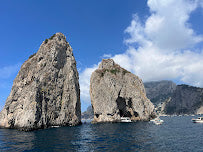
[[52, 37], [46, 41], [32, 55]]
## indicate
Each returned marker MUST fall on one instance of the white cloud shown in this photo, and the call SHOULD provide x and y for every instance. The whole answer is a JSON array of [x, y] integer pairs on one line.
[[166, 44], [85, 83], [166, 27], [107, 56], [8, 71], [161, 48], [150, 64], [136, 33], [201, 3]]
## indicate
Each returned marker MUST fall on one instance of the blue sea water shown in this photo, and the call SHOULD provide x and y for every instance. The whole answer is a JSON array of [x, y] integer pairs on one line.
[[176, 134]]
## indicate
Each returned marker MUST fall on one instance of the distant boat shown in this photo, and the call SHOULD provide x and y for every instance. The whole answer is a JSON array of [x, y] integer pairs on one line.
[[198, 120], [55, 126], [125, 119], [157, 121]]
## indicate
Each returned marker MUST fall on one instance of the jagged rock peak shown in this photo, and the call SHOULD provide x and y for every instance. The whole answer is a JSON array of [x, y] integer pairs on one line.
[[58, 37], [46, 90], [106, 63], [116, 93]]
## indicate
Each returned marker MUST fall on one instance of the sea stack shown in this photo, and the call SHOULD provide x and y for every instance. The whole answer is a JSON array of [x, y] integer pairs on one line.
[[46, 90], [116, 93]]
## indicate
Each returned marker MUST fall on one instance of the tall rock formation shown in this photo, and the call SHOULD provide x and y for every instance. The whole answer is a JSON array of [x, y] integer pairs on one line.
[[46, 90], [185, 100], [117, 93]]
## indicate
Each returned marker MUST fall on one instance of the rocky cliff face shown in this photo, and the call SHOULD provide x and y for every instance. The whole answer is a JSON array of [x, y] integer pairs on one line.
[[46, 90], [185, 100], [200, 110], [159, 91], [117, 93]]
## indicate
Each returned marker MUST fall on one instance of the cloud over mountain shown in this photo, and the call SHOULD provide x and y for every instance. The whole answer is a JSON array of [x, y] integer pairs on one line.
[[161, 47]]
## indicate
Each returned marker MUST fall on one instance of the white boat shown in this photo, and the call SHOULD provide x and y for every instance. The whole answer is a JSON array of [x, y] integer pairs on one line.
[[157, 121], [125, 119], [198, 120], [55, 126]]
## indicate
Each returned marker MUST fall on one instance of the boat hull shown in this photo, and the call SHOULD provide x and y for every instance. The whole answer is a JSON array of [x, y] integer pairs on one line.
[[197, 121], [125, 119]]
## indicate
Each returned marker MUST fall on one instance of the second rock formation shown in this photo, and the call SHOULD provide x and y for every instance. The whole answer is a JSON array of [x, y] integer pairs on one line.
[[116, 93]]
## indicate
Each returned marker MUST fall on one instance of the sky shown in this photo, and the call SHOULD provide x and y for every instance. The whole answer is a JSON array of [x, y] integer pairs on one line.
[[154, 39]]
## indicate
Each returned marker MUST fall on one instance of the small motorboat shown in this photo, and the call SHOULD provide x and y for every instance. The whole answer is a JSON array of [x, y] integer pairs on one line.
[[157, 121], [55, 126], [198, 120], [125, 119]]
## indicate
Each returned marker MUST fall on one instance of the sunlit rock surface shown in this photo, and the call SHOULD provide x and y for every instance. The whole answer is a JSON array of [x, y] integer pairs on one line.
[[46, 90], [116, 93]]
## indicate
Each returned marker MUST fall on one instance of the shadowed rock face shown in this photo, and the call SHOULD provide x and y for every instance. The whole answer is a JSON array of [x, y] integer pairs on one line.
[[159, 91], [46, 90], [117, 93], [185, 100]]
